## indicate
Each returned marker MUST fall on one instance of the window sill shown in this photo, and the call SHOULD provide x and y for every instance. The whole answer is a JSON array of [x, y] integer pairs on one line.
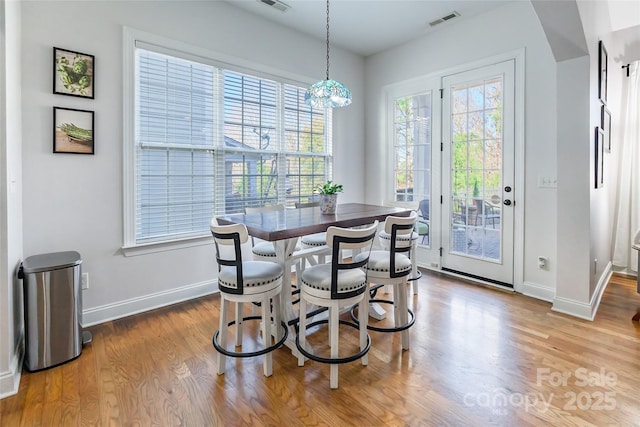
[[164, 246]]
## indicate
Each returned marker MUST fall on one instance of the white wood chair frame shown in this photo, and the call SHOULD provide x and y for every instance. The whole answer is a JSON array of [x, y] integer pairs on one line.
[[339, 239]]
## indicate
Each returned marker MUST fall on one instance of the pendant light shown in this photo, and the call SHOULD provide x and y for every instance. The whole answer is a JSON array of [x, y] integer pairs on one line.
[[328, 93]]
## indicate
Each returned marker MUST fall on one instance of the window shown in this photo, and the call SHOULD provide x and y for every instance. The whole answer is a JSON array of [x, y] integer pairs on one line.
[[207, 139], [412, 148]]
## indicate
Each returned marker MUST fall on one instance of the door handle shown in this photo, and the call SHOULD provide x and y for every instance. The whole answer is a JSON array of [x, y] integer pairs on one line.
[[507, 202]]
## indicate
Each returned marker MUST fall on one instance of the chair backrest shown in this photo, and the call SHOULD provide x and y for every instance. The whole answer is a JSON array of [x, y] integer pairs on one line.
[[225, 230], [400, 220], [262, 209], [230, 235], [258, 209], [340, 239], [491, 209], [307, 205], [399, 226], [406, 205], [424, 208]]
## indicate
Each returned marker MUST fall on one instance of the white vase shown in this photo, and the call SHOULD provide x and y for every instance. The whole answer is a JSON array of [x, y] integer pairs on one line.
[[328, 203]]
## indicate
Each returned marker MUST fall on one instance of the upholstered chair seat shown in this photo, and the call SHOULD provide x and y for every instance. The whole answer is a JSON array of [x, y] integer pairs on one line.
[[317, 280], [314, 240], [378, 266], [266, 251], [404, 240], [258, 276]]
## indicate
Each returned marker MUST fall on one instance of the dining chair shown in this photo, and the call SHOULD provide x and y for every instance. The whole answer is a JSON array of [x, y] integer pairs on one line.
[[462, 213], [422, 223], [341, 283], [393, 267], [487, 212], [404, 239], [315, 240], [246, 281]]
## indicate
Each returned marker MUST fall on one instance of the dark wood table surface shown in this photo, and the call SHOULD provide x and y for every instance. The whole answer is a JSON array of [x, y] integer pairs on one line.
[[290, 223]]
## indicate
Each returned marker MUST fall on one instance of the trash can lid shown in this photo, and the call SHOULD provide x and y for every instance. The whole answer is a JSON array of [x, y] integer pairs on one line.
[[52, 261]]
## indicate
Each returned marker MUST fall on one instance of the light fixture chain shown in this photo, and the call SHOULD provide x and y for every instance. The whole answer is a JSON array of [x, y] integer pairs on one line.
[[327, 39]]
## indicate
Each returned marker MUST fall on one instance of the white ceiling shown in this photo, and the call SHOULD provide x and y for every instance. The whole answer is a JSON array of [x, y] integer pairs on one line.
[[368, 26], [624, 14]]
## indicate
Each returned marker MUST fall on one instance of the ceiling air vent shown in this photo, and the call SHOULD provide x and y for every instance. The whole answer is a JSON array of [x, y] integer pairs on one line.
[[450, 16], [276, 4]]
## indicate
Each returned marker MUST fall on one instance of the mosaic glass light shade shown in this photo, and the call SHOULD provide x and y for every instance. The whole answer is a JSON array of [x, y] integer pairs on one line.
[[328, 94]]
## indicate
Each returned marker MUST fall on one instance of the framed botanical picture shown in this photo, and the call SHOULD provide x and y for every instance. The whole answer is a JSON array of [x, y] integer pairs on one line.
[[73, 73], [605, 124], [599, 157], [73, 131], [603, 72]]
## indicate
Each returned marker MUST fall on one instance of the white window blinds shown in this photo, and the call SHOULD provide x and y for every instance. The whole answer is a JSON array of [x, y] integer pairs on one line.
[[174, 146]]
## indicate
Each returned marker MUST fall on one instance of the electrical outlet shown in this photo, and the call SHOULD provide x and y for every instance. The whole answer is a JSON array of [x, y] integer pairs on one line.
[[542, 262], [85, 280]]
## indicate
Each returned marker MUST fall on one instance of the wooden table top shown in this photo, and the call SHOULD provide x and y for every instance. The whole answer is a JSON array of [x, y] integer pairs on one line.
[[279, 225]]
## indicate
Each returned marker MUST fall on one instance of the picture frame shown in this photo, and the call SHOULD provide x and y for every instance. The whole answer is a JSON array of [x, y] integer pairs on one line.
[[73, 131], [603, 65], [599, 157], [73, 73], [605, 124]]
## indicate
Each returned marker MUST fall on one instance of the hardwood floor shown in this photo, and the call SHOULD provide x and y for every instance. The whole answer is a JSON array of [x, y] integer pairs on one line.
[[478, 357]]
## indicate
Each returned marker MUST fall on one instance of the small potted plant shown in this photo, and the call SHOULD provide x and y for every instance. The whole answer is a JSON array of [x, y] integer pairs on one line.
[[328, 197]]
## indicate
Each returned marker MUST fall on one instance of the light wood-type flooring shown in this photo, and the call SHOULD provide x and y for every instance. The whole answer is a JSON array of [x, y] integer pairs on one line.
[[478, 357]]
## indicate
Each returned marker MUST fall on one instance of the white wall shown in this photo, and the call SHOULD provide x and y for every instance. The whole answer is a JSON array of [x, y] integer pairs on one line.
[[575, 166], [511, 27], [11, 328], [74, 202]]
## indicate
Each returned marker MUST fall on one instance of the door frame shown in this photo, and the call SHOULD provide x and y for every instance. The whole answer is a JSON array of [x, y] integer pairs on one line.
[[413, 86]]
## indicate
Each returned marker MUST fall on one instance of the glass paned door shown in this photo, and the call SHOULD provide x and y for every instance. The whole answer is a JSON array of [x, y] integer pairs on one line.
[[478, 158]]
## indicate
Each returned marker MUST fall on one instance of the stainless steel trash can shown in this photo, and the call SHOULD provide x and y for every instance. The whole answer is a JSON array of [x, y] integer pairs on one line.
[[53, 309]]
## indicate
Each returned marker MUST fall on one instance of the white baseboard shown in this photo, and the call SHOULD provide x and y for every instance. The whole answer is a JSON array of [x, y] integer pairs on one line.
[[624, 271], [105, 313], [10, 380], [572, 308], [537, 291], [580, 309]]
